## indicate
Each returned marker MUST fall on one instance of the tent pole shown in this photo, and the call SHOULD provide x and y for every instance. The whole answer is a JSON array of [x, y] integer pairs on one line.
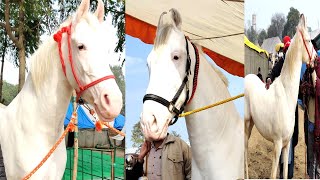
[[75, 145]]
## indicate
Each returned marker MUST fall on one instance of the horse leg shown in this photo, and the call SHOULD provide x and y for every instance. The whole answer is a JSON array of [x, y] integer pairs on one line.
[[285, 153], [248, 128], [275, 162]]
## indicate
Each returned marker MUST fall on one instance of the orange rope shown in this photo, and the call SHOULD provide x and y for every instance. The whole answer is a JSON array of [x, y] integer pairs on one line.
[[69, 127], [112, 128]]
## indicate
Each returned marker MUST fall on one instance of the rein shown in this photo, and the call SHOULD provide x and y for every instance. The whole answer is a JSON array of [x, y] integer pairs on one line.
[[58, 37], [184, 84]]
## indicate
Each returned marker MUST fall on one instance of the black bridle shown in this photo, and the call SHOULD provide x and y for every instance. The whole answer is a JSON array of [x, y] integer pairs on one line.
[[185, 83]]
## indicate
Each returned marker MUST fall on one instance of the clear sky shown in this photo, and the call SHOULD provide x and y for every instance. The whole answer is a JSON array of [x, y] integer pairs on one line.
[[137, 81], [264, 9]]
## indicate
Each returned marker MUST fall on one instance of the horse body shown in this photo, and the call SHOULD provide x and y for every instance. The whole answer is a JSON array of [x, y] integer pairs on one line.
[[32, 123], [34, 120], [273, 110], [216, 134]]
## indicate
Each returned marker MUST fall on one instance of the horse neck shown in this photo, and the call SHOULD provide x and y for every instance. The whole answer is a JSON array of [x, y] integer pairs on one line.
[[218, 121], [49, 103], [290, 73]]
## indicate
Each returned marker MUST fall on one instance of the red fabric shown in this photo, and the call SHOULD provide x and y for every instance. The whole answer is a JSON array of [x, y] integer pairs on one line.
[[317, 113], [147, 32], [286, 42]]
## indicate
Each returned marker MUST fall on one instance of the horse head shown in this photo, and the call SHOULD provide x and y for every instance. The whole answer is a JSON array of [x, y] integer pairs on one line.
[[308, 54], [169, 70], [87, 67]]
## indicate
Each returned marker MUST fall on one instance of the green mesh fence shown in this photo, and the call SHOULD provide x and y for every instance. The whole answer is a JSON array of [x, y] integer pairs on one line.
[[94, 164]]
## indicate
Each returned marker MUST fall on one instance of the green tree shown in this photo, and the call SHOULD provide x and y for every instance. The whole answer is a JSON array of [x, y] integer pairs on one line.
[[251, 34], [9, 93], [176, 134], [24, 22], [277, 24], [262, 36], [4, 46], [118, 73], [137, 136], [292, 22]]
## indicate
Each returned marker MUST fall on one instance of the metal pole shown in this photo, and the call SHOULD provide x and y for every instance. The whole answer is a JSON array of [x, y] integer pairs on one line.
[[75, 145], [112, 164]]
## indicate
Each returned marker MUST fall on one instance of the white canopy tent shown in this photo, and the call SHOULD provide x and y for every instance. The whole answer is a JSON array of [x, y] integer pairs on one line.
[[217, 25]]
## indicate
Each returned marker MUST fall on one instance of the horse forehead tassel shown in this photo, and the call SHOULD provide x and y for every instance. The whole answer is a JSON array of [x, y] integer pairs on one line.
[[58, 36]]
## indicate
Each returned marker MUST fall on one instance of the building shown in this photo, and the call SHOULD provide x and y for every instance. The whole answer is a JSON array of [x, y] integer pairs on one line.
[[255, 57]]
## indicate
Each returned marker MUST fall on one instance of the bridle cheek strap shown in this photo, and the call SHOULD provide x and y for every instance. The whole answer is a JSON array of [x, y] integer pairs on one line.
[[58, 37], [171, 105], [305, 45]]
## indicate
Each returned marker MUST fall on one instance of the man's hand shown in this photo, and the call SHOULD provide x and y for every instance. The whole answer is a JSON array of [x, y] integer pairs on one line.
[[145, 148]]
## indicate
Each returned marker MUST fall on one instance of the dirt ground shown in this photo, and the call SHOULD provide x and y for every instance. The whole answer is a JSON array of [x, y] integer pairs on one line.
[[261, 152]]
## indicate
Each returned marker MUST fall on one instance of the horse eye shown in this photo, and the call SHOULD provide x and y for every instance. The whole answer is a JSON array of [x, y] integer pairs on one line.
[[175, 57], [81, 47]]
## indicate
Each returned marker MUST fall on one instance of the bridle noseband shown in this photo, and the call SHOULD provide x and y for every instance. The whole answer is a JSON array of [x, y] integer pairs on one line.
[[185, 83], [57, 37]]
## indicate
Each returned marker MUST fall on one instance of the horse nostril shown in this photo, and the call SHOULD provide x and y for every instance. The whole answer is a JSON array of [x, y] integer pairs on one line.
[[107, 99]]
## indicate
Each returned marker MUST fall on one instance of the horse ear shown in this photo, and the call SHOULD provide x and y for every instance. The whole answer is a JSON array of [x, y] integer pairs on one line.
[[160, 22], [82, 9], [100, 11], [175, 15], [302, 21]]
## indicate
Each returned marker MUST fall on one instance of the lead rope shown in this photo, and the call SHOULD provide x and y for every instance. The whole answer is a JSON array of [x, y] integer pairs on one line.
[[70, 128], [211, 106], [99, 124]]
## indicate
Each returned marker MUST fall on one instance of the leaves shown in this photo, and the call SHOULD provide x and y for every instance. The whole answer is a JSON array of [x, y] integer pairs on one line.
[[277, 24], [252, 34], [262, 36], [292, 22], [137, 136], [9, 92]]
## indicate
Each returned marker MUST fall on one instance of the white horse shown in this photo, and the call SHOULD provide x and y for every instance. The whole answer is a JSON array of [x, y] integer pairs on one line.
[[33, 121], [216, 135], [273, 110]]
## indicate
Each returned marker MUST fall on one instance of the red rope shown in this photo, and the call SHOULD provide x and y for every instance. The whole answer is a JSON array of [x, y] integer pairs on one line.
[[305, 45], [196, 72]]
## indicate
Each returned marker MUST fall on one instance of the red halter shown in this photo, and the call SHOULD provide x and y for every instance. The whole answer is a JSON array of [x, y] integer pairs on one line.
[[305, 45], [57, 37]]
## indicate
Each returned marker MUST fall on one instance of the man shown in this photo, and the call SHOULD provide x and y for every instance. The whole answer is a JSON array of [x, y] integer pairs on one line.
[[169, 158], [259, 74], [275, 72], [313, 168]]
